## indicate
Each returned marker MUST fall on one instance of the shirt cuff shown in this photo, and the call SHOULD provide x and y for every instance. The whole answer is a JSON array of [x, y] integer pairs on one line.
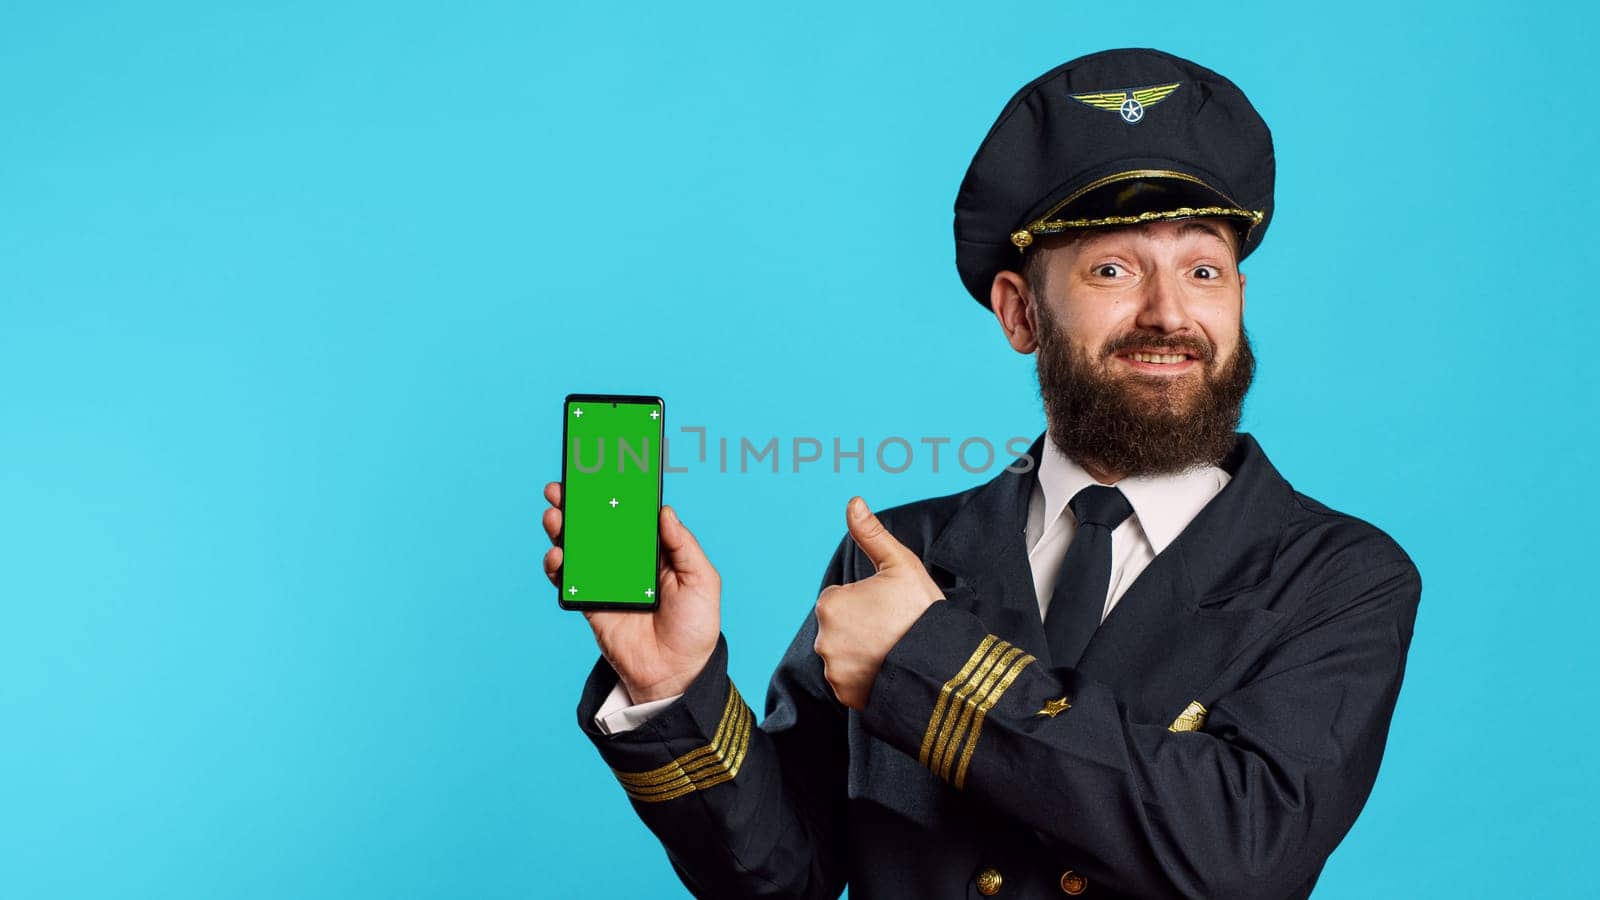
[[618, 713]]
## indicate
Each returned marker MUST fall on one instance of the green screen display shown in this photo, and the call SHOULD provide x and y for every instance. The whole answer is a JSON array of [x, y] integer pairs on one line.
[[611, 500]]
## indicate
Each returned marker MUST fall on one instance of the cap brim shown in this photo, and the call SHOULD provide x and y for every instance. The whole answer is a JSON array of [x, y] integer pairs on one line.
[[1136, 196], [1129, 192]]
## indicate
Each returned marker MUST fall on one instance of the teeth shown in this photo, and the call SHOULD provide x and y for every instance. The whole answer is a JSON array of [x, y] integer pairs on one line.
[[1158, 357]]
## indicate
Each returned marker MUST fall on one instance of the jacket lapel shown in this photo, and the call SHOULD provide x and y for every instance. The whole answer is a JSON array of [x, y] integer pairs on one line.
[[1185, 615], [981, 557], [1193, 608]]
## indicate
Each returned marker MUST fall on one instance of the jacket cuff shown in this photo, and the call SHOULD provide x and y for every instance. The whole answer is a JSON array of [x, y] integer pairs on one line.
[[938, 684], [697, 741]]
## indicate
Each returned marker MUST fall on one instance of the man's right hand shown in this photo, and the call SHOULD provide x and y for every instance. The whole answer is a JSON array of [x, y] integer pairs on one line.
[[655, 654]]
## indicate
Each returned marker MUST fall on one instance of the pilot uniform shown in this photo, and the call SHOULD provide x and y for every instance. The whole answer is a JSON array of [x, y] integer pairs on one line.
[[1220, 731]]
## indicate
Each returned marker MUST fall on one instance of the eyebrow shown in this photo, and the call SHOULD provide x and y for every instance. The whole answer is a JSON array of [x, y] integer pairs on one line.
[[1210, 228]]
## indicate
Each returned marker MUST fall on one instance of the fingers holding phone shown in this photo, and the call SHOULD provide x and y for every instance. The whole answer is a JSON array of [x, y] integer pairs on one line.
[[552, 529], [623, 558]]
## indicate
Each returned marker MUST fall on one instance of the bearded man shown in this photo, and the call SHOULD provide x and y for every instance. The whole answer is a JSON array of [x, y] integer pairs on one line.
[[1136, 664]]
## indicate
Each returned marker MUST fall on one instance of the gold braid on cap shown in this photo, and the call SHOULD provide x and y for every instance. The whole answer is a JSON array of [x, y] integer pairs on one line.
[[1023, 237]]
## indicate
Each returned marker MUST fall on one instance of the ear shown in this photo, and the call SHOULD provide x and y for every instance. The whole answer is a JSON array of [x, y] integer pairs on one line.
[[1012, 301], [1242, 280]]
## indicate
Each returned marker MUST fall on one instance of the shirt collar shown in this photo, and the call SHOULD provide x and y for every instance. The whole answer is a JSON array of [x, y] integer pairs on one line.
[[1164, 504]]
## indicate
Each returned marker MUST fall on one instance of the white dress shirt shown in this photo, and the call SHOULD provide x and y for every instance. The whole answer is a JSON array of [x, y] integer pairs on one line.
[[1163, 505]]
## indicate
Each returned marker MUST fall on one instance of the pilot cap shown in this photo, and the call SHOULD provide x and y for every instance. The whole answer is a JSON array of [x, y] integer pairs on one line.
[[1119, 137]]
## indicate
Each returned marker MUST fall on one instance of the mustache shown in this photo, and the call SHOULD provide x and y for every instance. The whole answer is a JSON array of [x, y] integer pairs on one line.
[[1174, 343]]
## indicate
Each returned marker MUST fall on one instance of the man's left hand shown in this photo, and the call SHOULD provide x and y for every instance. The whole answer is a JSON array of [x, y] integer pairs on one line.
[[858, 623]]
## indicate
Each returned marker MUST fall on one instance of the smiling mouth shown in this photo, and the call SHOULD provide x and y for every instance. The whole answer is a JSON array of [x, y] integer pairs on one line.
[[1167, 361]]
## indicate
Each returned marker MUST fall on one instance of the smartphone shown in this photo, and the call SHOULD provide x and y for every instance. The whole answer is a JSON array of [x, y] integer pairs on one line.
[[611, 454]]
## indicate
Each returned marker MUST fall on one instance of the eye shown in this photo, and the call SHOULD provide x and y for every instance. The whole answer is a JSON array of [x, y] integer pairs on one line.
[[1108, 270], [1206, 272]]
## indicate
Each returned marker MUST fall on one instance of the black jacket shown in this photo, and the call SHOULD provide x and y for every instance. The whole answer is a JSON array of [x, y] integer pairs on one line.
[[1217, 739]]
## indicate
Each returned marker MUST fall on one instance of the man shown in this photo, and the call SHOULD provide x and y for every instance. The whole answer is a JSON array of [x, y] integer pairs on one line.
[[1138, 664]]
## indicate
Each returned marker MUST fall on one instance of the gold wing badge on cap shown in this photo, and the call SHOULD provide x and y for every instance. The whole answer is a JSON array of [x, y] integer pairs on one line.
[[1130, 103]]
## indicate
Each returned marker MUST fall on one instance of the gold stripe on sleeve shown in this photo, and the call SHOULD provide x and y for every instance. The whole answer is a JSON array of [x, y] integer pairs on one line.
[[959, 701], [983, 710], [974, 699], [702, 767], [952, 733], [944, 695], [675, 768]]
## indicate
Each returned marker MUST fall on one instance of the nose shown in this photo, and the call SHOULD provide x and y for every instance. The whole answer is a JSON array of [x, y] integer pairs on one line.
[[1161, 304]]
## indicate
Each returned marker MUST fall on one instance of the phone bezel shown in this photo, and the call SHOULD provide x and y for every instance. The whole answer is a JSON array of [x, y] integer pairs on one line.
[[661, 452]]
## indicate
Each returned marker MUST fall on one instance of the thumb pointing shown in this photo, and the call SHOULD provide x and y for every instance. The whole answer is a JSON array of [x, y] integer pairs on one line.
[[874, 540]]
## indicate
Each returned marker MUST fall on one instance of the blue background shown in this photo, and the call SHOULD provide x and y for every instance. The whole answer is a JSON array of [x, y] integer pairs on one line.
[[290, 296]]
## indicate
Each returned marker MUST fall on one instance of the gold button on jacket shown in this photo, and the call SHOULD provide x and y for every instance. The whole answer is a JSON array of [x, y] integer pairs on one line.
[[989, 882], [1073, 883]]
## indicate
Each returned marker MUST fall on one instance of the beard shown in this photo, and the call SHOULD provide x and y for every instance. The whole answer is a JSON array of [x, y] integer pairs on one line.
[[1135, 423]]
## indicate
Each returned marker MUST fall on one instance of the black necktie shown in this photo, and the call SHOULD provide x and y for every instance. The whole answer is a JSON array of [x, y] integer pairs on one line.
[[1085, 575]]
